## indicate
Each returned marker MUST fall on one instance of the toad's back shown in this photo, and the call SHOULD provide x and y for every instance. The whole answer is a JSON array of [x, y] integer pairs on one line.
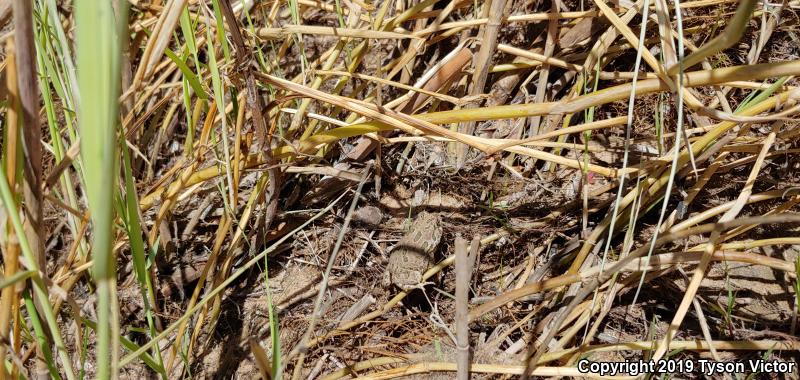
[[414, 253]]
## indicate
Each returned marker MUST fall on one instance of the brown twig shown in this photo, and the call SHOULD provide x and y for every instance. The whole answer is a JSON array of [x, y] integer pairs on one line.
[[463, 275], [32, 136], [256, 104]]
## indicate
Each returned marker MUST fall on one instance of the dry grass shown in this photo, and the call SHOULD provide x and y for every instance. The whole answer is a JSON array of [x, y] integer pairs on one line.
[[628, 177]]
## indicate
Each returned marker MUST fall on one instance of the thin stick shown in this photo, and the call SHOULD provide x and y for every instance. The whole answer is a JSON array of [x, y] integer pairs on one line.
[[463, 274]]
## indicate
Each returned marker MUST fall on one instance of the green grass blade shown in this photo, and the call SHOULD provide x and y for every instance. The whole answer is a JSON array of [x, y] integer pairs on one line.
[[41, 336], [219, 98], [99, 56], [15, 278], [273, 327], [188, 74], [226, 51], [132, 346], [130, 215], [758, 96], [187, 28]]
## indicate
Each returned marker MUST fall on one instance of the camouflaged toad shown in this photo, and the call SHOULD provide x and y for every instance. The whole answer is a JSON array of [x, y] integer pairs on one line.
[[413, 254]]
